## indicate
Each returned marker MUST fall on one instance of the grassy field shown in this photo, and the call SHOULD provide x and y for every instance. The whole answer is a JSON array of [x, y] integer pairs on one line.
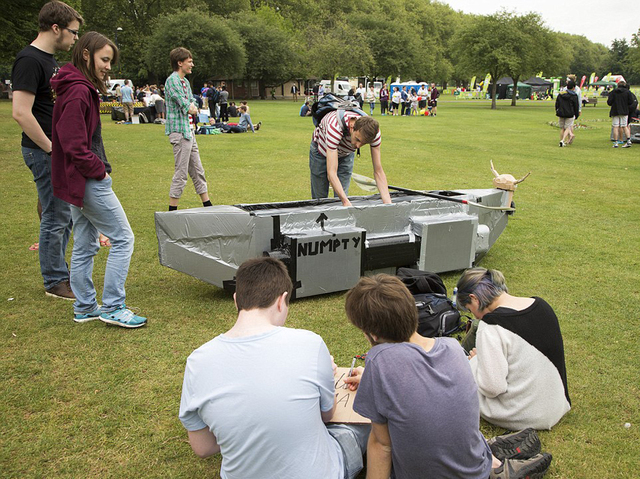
[[86, 400]]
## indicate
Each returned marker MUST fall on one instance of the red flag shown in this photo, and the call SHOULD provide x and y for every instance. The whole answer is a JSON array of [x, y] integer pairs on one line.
[[584, 77]]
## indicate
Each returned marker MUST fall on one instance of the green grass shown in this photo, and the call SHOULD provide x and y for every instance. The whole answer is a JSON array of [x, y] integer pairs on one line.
[[86, 400]]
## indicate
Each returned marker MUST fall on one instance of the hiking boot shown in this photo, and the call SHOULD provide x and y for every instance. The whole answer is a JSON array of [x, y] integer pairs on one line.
[[627, 144], [518, 445], [90, 316], [533, 468], [61, 290], [123, 317]]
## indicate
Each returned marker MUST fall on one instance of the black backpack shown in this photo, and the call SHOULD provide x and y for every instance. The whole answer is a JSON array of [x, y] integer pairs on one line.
[[213, 95], [565, 106], [436, 314], [329, 103]]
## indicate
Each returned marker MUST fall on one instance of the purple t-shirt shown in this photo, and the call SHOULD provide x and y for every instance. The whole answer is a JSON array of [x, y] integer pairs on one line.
[[430, 402]]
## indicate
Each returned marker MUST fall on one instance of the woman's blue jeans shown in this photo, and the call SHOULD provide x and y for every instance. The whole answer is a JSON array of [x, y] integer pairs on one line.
[[101, 213]]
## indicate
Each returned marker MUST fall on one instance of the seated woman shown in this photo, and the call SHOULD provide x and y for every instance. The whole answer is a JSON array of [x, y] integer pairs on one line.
[[244, 124], [421, 398], [519, 361]]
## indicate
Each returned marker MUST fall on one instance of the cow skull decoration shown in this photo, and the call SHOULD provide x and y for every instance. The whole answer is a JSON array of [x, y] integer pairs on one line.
[[506, 182]]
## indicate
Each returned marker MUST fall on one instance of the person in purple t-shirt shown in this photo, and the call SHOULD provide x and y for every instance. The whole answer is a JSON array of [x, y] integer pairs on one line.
[[422, 399]]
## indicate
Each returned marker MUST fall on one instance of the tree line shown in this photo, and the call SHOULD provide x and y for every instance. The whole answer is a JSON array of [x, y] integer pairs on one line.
[[274, 41]]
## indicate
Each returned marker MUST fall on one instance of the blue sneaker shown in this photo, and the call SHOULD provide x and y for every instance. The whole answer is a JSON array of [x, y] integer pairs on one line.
[[90, 316], [123, 317]]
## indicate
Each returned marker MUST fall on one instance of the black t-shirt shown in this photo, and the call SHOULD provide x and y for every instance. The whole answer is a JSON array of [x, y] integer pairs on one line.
[[31, 72]]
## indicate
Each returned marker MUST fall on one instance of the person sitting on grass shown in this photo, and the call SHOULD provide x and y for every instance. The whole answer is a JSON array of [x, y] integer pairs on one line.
[[260, 393], [305, 110], [422, 400], [242, 127], [519, 361]]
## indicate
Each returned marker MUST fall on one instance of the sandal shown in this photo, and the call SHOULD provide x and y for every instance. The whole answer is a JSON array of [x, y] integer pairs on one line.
[[104, 242]]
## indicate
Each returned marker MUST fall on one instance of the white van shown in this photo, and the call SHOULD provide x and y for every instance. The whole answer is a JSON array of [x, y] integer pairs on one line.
[[340, 87], [111, 91]]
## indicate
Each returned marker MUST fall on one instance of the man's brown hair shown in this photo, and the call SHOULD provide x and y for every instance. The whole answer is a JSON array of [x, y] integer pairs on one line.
[[260, 281], [57, 13], [382, 305], [179, 54], [92, 42], [368, 127]]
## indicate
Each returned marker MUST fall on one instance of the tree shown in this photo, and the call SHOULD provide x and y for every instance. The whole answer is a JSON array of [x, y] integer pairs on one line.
[[634, 57], [272, 58], [484, 46], [211, 42], [584, 56], [338, 50], [534, 48]]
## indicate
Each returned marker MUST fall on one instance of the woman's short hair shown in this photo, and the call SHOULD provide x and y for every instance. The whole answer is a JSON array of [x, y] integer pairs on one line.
[[92, 42], [484, 284], [260, 281], [57, 13], [178, 54], [382, 306]]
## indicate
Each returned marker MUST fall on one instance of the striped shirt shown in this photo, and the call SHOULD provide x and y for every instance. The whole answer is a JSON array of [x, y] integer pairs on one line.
[[178, 97], [330, 134]]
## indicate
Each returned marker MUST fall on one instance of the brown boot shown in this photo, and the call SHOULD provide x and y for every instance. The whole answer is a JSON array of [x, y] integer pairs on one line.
[[61, 290]]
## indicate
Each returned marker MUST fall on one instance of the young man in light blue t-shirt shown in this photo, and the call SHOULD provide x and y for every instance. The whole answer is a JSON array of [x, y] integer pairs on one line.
[[260, 393]]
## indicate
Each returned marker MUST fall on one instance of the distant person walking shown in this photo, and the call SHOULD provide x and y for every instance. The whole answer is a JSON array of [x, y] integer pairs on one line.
[[127, 101], [621, 103], [224, 103], [567, 110], [33, 110], [180, 106]]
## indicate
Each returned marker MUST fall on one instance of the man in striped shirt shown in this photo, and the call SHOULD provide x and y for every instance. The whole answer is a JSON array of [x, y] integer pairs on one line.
[[334, 142], [180, 107]]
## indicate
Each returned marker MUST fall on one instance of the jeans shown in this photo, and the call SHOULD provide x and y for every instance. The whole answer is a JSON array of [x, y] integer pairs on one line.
[[372, 106], [318, 168], [102, 212], [352, 439], [55, 225]]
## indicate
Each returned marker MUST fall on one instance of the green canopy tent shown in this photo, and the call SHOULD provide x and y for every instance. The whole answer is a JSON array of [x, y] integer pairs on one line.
[[603, 83], [524, 90]]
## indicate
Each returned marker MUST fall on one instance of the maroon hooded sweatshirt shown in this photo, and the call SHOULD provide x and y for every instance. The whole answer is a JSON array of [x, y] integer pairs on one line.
[[76, 115]]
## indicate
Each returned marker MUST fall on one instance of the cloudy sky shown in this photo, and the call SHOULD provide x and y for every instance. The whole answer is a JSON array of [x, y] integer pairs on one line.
[[599, 21]]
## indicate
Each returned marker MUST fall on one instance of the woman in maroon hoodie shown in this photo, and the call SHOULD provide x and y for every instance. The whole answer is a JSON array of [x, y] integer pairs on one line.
[[81, 175]]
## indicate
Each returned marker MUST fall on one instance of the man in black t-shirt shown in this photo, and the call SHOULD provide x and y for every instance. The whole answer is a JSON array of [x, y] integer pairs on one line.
[[33, 110]]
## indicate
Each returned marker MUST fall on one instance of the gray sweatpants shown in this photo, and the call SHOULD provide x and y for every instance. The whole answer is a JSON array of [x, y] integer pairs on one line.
[[187, 161]]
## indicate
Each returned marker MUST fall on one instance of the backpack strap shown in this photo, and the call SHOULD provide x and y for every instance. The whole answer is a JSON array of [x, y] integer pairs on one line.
[[344, 122]]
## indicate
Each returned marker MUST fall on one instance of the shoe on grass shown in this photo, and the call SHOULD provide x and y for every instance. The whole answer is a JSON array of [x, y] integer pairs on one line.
[[518, 445], [123, 317], [61, 290], [615, 144], [258, 126], [89, 316], [627, 145], [532, 468], [561, 144]]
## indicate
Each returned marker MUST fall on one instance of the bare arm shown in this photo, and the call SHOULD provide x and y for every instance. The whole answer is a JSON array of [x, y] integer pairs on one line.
[[22, 105], [379, 175], [332, 175], [379, 452], [203, 442], [326, 416]]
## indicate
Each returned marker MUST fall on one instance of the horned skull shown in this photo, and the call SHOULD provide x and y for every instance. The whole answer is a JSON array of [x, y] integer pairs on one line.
[[506, 182]]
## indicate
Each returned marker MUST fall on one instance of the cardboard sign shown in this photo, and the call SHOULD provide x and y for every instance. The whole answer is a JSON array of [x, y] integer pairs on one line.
[[344, 401]]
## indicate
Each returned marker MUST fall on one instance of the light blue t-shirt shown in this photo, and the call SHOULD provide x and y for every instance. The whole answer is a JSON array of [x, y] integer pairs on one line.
[[261, 396], [127, 94]]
